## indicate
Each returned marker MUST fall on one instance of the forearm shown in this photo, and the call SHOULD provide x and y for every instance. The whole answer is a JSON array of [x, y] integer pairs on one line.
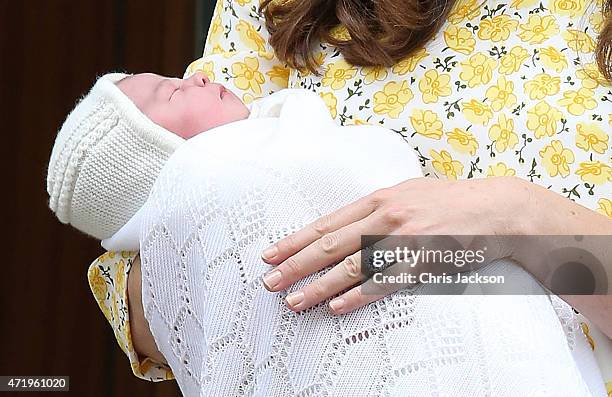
[[553, 226], [567, 267], [550, 213], [142, 338]]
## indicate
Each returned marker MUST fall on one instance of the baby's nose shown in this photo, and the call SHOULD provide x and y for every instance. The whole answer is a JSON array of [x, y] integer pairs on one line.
[[199, 79]]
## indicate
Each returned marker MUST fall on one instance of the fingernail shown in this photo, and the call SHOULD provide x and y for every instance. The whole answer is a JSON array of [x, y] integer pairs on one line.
[[270, 252], [337, 304], [295, 298], [272, 279]]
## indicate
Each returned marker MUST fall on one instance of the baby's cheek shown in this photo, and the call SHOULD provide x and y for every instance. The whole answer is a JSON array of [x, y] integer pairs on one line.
[[198, 122]]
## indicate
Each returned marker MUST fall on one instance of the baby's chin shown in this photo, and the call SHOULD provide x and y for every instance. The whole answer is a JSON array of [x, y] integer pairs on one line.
[[236, 113], [234, 101], [246, 112], [237, 108]]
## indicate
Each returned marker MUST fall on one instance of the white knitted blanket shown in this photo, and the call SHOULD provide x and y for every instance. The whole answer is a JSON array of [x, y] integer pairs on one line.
[[228, 193]]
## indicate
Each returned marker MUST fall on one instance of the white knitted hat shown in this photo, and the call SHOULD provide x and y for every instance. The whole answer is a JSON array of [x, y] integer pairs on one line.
[[105, 159]]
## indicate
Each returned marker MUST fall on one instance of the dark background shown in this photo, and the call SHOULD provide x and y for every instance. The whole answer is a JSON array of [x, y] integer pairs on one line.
[[50, 53]]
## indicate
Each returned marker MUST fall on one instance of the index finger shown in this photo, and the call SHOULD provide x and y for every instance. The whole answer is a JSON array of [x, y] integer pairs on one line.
[[295, 242]]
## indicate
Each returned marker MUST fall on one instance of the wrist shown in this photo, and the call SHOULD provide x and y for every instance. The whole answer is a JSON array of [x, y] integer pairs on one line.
[[532, 207], [521, 206], [541, 211]]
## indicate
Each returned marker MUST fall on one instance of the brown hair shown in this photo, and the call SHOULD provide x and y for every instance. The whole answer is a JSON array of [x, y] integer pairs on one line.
[[603, 52], [382, 32]]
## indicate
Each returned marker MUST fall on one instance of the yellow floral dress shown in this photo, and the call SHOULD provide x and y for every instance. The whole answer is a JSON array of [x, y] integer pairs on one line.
[[107, 277], [505, 88]]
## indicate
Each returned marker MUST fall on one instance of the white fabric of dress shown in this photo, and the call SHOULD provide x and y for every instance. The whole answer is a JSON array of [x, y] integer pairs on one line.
[[228, 193]]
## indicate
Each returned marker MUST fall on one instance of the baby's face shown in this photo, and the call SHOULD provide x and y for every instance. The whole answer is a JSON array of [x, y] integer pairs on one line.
[[185, 107]]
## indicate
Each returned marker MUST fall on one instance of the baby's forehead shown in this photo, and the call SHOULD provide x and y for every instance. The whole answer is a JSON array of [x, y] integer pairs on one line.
[[141, 80], [140, 88]]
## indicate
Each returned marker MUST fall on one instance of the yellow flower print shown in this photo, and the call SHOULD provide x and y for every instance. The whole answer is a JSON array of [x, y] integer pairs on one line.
[[462, 141], [356, 121], [577, 102], [217, 49], [605, 207], [120, 273], [433, 85], [208, 68], [337, 74], [556, 159], [524, 3], [538, 29], [146, 364], [193, 67], [215, 31], [426, 123], [542, 119], [279, 75], [248, 75], [107, 255], [266, 55], [542, 85], [115, 309], [497, 28], [373, 74], [248, 98], [590, 137], [512, 61], [330, 101], [596, 20], [587, 334], [136, 367], [443, 162], [502, 134], [501, 95], [477, 112], [97, 283], [464, 9], [319, 59], [340, 32], [243, 2], [106, 310], [459, 39], [500, 169], [591, 76], [392, 99], [477, 70], [553, 59], [409, 63], [595, 172], [250, 37], [570, 8], [578, 40], [128, 254]]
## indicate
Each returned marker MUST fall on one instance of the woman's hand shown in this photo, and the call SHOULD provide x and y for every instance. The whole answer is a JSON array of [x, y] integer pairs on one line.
[[420, 207]]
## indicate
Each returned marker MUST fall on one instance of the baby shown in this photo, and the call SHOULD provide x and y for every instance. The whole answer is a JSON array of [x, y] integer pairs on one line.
[[112, 145]]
